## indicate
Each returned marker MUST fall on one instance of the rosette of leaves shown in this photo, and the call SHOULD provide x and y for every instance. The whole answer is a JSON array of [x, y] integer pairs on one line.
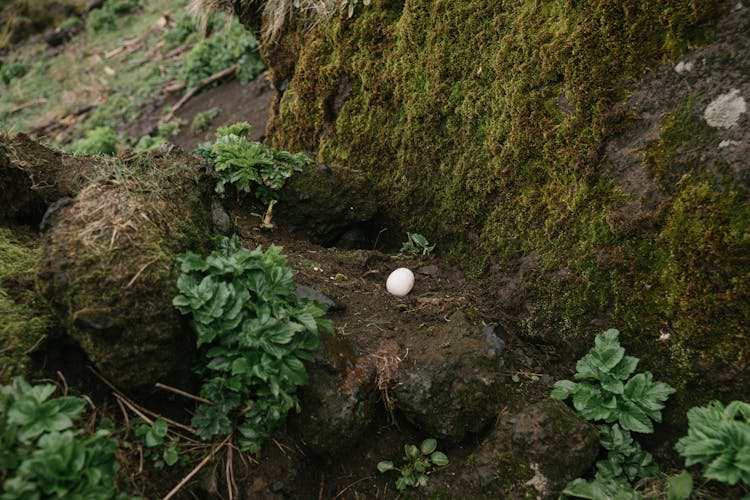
[[249, 165], [255, 336], [42, 455], [718, 438], [416, 244], [417, 464], [607, 389], [160, 447]]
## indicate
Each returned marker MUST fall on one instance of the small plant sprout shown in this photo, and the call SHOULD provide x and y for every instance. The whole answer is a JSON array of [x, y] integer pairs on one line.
[[418, 463], [159, 446], [416, 245]]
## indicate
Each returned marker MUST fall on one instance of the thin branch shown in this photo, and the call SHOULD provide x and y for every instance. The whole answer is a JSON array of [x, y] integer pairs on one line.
[[182, 393], [197, 469], [190, 93]]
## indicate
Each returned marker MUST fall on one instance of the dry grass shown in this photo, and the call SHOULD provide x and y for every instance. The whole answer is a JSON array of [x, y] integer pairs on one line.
[[275, 12]]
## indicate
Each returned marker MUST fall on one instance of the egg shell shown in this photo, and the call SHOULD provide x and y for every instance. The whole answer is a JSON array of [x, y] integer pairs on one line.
[[400, 282]]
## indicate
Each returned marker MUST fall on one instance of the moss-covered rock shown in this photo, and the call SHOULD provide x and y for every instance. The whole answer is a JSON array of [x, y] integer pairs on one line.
[[552, 130], [108, 266], [455, 390], [25, 321], [531, 454]]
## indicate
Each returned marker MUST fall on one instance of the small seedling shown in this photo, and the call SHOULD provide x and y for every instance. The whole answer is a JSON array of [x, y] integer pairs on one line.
[[162, 449], [416, 245], [418, 463]]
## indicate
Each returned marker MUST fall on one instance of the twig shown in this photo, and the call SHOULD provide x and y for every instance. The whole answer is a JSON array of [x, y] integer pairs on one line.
[[197, 469], [352, 484], [190, 93], [169, 388], [143, 268], [119, 394], [322, 486], [27, 105]]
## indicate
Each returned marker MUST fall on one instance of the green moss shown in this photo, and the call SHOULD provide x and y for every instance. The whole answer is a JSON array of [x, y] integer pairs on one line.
[[25, 322], [481, 124]]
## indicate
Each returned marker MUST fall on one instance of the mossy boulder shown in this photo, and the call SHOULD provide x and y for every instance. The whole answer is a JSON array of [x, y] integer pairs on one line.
[[455, 390], [531, 454], [563, 134], [108, 266], [25, 320]]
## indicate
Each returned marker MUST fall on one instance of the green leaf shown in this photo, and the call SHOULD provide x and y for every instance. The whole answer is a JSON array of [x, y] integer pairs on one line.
[[680, 487], [385, 466], [439, 458], [632, 418], [411, 451], [160, 427], [171, 455], [428, 446], [563, 389]]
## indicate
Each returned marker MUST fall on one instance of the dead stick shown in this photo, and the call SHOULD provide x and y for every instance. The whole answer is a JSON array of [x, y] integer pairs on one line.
[[190, 93], [197, 469], [169, 388], [118, 393]]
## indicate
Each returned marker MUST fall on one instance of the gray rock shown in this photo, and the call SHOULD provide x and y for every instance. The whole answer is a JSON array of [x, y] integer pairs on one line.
[[339, 402], [306, 292], [220, 218], [454, 390]]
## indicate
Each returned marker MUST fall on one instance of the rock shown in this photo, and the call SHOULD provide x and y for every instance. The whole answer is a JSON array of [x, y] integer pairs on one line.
[[454, 390], [220, 218], [305, 292], [108, 269], [339, 402], [532, 454]]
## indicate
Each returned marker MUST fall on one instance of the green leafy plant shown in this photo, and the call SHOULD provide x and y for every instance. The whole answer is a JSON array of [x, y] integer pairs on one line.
[[202, 121], [417, 464], [254, 333], [9, 72], [416, 244], [99, 141], [250, 165], [42, 455], [105, 17], [149, 143], [352, 4], [718, 438], [230, 46], [171, 128], [161, 448], [609, 391]]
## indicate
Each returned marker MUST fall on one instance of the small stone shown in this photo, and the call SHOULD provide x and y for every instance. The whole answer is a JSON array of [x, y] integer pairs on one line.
[[220, 218], [305, 292]]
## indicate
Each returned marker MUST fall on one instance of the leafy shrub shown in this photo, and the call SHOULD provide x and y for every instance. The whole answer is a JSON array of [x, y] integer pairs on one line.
[[608, 391], [248, 165], [416, 244], [149, 143], [105, 17], [255, 335], [718, 438], [43, 456], [417, 463], [202, 121], [101, 140], [233, 45], [9, 72]]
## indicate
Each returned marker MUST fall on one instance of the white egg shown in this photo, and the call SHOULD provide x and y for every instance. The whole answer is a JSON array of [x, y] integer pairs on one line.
[[400, 282]]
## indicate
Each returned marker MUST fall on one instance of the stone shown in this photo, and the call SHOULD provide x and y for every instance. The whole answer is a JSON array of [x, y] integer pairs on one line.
[[452, 391], [532, 454], [338, 403]]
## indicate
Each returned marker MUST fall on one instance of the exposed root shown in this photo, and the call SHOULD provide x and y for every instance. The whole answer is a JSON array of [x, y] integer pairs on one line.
[[386, 365]]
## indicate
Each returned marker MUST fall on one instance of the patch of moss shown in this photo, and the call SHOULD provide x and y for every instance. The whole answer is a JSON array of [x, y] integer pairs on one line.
[[481, 124], [25, 321]]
